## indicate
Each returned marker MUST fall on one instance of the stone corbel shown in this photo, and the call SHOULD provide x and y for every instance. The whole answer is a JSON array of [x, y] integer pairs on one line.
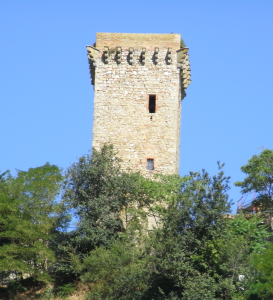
[[183, 64], [93, 55], [131, 56], [118, 55], [181, 56], [155, 56], [105, 56], [168, 56], [142, 56]]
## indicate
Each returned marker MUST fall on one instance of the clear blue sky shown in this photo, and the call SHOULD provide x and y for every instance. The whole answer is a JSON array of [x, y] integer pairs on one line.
[[46, 97]]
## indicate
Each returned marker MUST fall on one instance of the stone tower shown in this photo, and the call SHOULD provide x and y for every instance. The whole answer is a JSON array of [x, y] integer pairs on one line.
[[139, 82]]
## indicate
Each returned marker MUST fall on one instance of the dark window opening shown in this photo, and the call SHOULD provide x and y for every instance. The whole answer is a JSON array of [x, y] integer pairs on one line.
[[152, 103], [150, 164]]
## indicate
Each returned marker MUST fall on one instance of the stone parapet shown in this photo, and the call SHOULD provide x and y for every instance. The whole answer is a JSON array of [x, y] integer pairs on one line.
[[137, 40]]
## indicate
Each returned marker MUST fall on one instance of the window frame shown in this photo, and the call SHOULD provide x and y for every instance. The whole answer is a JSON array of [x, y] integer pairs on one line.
[[148, 161]]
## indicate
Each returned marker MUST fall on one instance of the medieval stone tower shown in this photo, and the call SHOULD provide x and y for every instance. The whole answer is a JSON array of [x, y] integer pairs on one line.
[[139, 82]]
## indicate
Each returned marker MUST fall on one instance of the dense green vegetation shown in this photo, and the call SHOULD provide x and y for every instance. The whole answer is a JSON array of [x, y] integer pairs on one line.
[[195, 252], [259, 170]]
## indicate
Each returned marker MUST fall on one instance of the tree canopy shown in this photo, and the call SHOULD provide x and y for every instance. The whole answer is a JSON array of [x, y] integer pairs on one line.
[[29, 216], [259, 178], [196, 253], [195, 250]]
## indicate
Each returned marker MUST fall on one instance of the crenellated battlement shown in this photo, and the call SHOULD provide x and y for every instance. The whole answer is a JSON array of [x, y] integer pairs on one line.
[[140, 49]]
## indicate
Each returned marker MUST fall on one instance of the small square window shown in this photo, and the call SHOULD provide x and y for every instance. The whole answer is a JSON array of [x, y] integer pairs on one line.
[[150, 164]]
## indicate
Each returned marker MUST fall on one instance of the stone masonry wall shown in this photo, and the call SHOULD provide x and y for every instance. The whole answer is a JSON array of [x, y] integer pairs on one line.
[[121, 114]]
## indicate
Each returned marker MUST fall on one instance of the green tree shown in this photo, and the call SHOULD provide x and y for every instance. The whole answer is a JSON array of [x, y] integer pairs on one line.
[[153, 268], [196, 253], [29, 216], [120, 272], [260, 287], [246, 236], [99, 193], [199, 253], [186, 252], [259, 178], [105, 201], [181, 259]]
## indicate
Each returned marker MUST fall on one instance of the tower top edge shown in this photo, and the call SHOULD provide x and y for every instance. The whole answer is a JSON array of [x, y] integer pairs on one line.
[[137, 40]]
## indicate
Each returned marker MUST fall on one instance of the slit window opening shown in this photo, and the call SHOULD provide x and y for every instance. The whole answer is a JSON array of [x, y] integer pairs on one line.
[[150, 164], [152, 104]]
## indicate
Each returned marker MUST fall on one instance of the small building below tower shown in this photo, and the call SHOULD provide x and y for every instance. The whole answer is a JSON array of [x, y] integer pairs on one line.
[[139, 81]]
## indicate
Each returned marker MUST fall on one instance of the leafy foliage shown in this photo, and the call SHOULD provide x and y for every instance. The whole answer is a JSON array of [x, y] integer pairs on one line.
[[259, 170], [196, 251], [246, 235], [66, 290], [186, 251], [106, 201], [118, 273], [98, 192], [261, 285], [181, 259], [29, 216], [253, 229]]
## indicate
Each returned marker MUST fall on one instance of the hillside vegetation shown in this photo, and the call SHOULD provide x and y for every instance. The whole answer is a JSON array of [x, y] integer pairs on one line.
[[85, 233]]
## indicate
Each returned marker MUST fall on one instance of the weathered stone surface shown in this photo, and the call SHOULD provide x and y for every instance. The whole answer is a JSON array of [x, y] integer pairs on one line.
[[123, 82], [137, 40]]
